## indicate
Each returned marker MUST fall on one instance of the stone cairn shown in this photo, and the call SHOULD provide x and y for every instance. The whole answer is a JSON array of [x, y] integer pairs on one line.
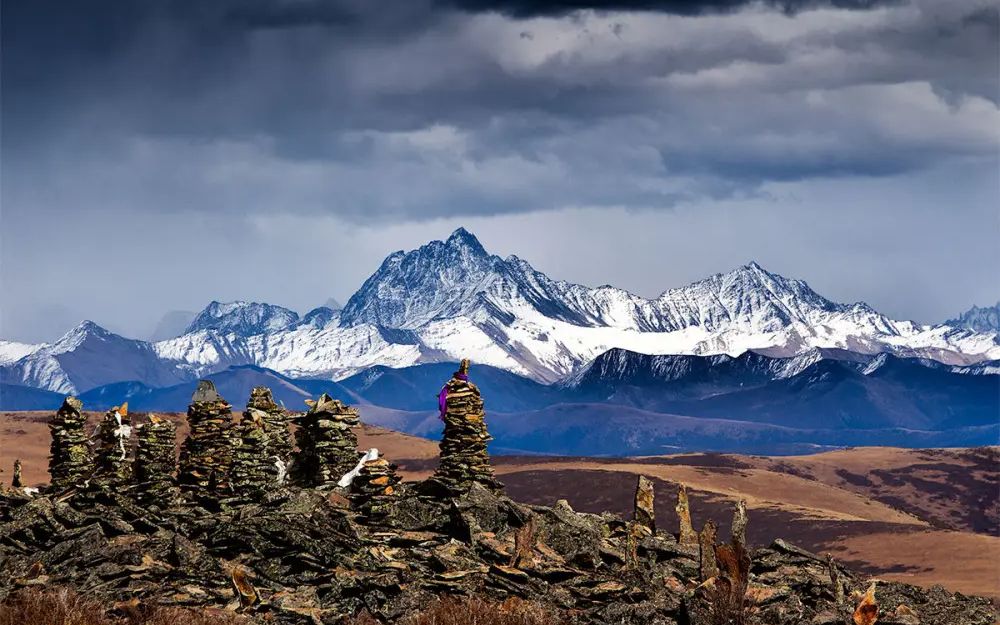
[[70, 459], [206, 455], [464, 458], [253, 472], [328, 447], [373, 490], [114, 446], [154, 460], [275, 422], [16, 481]]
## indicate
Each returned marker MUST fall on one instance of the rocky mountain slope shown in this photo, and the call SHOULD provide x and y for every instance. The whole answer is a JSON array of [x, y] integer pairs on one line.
[[985, 319]]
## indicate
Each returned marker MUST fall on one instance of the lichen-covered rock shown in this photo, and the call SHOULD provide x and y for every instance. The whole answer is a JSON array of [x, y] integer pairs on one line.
[[206, 455], [113, 463], [328, 446], [464, 457], [154, 461], [71, 462]]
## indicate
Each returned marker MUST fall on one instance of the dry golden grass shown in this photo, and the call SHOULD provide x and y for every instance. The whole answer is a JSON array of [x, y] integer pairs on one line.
[[474, 611], [65, 607]]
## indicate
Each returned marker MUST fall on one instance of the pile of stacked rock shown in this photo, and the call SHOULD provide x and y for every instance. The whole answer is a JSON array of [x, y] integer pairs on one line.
[[16, 480], [114, 446], [154, 461], [464, 458], [70, 459], [275, 422], [373, 490], [206, 455], [253, 472], [328, 446]]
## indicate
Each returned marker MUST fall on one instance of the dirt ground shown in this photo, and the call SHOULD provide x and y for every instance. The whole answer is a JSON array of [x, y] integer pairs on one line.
[[920, 516]]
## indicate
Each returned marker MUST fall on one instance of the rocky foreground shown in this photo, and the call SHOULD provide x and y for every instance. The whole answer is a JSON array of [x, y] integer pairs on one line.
[[248, 524], [305, 556]]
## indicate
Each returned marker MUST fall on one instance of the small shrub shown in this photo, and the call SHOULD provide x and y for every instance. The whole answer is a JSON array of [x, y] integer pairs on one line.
[[63, 606]]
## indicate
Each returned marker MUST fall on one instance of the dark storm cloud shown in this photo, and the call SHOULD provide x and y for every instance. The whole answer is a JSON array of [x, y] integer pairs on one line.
[[530, 8], [140, 121]]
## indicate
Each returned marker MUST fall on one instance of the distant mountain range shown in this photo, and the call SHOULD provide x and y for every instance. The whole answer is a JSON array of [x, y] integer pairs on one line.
[[452, 299], [747, 346], [626, 402], [984, 319]]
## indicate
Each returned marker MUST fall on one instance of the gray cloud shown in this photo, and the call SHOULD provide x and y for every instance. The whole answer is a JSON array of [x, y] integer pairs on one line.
[[147, 120]]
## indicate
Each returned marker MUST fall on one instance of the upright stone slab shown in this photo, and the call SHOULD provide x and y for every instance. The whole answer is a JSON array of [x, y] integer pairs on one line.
[[464, 457], [155, 460], [328, 446], [644, 514], [275, 421], [708, 565], [70, 459], [206, 455], [739, 532], [16, 481], [113, 458], [686, 535]]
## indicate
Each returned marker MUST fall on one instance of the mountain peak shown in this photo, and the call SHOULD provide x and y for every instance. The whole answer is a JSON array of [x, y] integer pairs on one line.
[[242, 318], [978, 319], [463, 238]]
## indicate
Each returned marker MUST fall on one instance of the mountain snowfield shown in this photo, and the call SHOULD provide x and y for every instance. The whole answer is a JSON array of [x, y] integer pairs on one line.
[[452, 299]]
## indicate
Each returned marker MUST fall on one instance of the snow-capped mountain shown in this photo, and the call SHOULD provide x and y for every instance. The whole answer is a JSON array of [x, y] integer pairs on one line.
[[452, 299], [12, 351], [242, 318], [88, 356], [984, 319], [459, 299]]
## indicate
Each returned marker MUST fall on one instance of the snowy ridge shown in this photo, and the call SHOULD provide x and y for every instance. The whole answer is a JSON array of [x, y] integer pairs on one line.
[[452, 299], [978, 319], [242, 318], [12, 351]]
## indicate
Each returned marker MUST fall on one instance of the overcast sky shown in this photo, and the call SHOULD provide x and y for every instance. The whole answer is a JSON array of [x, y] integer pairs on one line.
[[158, 155]]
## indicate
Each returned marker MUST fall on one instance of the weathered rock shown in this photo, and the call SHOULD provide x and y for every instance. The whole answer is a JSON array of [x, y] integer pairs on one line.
[[328, 446], [464, 459], [307, 555], [70, 458], [867, 611], [686, 536], [275, 420], [206, 455], [708, 567], [644, 513], [154, 461], [253, 472], [739, 530], [16, 478], [374, 489], [113, 468]]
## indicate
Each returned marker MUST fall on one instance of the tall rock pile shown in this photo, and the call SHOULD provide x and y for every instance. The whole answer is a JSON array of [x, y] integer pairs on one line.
[[114, 449], [373, 490], [70, 459], [464, 458], [328, 446], [155, 460], [253, 471], [206, 455], [275, 422]]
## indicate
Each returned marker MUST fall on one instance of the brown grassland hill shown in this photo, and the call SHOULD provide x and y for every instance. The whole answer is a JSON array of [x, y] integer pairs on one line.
[[918, 516]]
